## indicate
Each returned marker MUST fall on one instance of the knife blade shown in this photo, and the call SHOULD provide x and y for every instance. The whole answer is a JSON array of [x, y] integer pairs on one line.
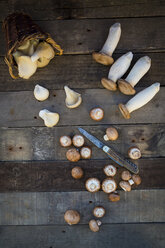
[[119, 159]]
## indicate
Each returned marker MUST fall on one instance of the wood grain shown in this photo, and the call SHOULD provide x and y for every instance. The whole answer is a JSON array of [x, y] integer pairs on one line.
[[56, 175]]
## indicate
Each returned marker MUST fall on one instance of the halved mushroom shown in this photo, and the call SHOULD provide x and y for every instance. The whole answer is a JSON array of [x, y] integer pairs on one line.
[[72, 217], [99, 211], [111, 134], [134, 152], [125, 185], [73, 99], [126, 175], [86, 152], [65, 141], [73, 155], [114, 196], [77, 172], [109, 185], [78, 140], [110, 170], [97, 114], [94, 225], [92, 184]]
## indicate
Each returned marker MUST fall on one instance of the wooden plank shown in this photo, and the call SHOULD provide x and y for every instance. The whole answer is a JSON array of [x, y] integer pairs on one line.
[[110, 235], [20, 109], [17, 144], [56, 176], [48, 208], [82, 72], [138, 34]]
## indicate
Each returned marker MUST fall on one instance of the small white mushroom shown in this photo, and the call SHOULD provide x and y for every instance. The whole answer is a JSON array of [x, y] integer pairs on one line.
[[110, 170], [65, 141], [105, 55], [94, 225], [109, 185], [92, 184], [86, 152], [126, 86], [73, 99], [99, 211], [50, 119], [43, 50], [117, 70], [78, 140], [134, 152], [41, 93], [111, 134], [138, 101]]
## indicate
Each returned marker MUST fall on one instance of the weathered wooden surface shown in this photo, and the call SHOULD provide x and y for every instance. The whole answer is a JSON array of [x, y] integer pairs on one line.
[[56, 175], [78, 71], [49, 208]]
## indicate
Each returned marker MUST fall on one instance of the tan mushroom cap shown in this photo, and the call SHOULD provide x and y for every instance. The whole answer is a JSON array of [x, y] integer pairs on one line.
[[97, 114], [65, 141], [137, 179], [114, 196], [124, 111], [126, 175], [77, 172], [111, 134], [109, 84], [78, 140], [92, 184], [110, 170], [125, 185], [134, 152], [109, 185], [86, 152], [99, 211], [102, 58], [125, 87], [73, 155], [72, 217], [94, 225]]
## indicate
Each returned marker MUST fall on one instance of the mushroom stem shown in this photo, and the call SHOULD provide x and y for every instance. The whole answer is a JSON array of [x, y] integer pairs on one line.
[[139, 100], [131, 182], [105, 137]]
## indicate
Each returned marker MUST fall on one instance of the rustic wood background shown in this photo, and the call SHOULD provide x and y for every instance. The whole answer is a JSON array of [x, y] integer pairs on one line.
[[36, 187]]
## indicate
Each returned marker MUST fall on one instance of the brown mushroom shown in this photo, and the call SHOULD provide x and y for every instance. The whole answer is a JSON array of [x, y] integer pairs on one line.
[[73, 155], [97, 114], [94, 225], [92, 184], [77, 172], [137, 179], [99, 211], [109, 185], [126, 175], [111, 134], [86, 152], [114, 196], [110, 170], [65, 141], [125, 185], [72, 217], [78, 140], [134, 152]]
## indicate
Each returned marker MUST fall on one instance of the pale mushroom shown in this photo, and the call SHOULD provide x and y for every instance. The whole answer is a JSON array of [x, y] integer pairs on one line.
[[109, 185], [110, 170], [111, 134], [78, 140], [50, 119], [65, 141], [42, 62], [134, 152], [138, 101], [126, 175], [94, 225], [72, 217], [92, 184], [73, 155], [41, 93], [105, 55], [117, 70], [99, 211], [77, 172], [26, 68], [125, 185], [114, 196], [126, 86], [97, 114], [86, 152], [73, 99], [28, 47], [43, 50]]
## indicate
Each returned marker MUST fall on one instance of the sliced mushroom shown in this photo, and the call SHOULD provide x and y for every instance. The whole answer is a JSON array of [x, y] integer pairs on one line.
[[109, 185], [97, 114], [111, 134], [86, 152], [72, 217], [114, 196], [99, 211], [110, 170], [78, 140], [134, 152], [50, 119], [126, 175], [94, 225], [73, 99], [125, 185], [77, 172], [92, 184], [73, 155], [65, 141]]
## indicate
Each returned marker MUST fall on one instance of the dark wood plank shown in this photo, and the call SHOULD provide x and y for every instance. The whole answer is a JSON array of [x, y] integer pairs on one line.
[[17, 144], [56, 176], [82, 72], [48, 208], [12, 113]]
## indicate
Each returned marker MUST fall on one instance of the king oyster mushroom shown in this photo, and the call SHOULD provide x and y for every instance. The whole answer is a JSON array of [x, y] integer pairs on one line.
[[73, 99]]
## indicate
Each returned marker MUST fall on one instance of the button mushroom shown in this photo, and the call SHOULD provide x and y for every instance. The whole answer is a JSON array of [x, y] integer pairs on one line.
[[125, 185], [110, 170], [114, 196], [78, 140], [105, 55], [72, 217], [111, 134], [139, 100], [109, 185], [117, 70], [73, 155], [136, 179], [97, 114], [99, 212], [77, 172], [94, 225], [92, 184], [50, 119], [65, 141], [126, 175], [86, 152], [73, 99], [134, 152], [126, 86], [41, 93]]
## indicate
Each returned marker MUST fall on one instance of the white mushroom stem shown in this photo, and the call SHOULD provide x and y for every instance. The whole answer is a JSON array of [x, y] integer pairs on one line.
[[139, 70], [131, 182], [112, 40], [119, 68], [142, 97], [105, 137]]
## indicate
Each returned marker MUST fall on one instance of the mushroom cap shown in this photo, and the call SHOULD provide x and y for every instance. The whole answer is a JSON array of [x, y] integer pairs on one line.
[[50, 119], [125, 175], [65, 141], [125, 87], [94, 225], [137, 179], [92, 184], [114, 196], [134, 152], [110, 170], [112, 133], [97, 114], [109, 84], [72, 217], [73, 155], [99, 211], [40, 93], [124, 111], [109, 185], [77, 172], [73, 99], [86, 152], [42, 62], [78, 140], [125, 185], [102, 58]]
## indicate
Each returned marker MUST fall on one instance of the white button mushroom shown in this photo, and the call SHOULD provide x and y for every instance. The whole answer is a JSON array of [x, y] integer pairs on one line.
[[99, 211], [110, 170], [92, 185], [105, 55], [86, 152], [77, 172], [111, 134], [65, 141], [41, 93], [134, 152], [117, 70], [97, 114], [44, 50], [138, 101], [72, 217], [126, 86], [78, 140], [94, 225], [50, 119], [109, 185], [73, 99], [73, 155]]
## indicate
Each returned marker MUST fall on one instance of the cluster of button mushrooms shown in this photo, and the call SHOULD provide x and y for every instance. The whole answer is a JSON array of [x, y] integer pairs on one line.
[[33, 54]]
